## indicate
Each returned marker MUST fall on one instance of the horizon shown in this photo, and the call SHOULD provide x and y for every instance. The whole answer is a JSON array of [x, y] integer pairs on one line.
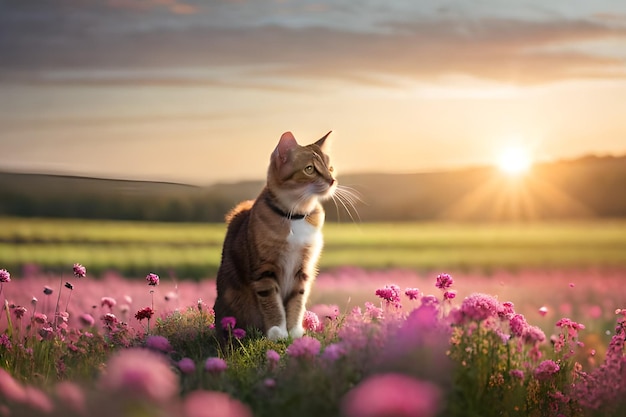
[[191, 92]]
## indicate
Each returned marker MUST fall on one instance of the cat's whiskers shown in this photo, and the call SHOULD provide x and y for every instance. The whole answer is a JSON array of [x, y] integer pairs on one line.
[[348, 197]]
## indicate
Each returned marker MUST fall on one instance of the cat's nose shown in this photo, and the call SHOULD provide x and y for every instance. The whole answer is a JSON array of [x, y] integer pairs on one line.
[[331, 181]]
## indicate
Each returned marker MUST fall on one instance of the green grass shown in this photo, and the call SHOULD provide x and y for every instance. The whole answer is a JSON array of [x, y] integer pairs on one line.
[[193, 250]]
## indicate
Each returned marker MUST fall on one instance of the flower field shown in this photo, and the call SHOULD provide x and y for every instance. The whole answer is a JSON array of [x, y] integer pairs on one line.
[[394, 342]]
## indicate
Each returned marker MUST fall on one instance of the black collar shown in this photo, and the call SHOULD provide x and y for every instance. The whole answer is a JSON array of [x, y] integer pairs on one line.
[[291, 216]]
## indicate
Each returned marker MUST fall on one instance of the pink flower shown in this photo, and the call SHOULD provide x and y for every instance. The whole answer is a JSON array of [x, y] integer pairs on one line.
[[333, 352], [374, 313], [305, 347], [517, 373], [10, 388], [86, 319], [390, 293], [5, 276], [79, 271], [108, 302], [269, 382], [159, 343], [153, 279], [37, 399], [239, 333], [40, 318], [215, 365], [140, 373], [187, 365], [272, 358], [412, 293], [449, 295], [72, 395], [478, 307], [444, 281], [228, 323], [310, 321], [518, 325], [144, 313], [546, 369], [19, 312], [543, 311], [392, 395], [210, 404]]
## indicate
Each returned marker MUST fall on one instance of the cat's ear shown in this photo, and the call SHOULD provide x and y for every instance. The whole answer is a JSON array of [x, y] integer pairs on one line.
[[285, 145], [322, 143]]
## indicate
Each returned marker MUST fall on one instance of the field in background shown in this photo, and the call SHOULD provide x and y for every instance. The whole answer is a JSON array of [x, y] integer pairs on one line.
[[192, 250]]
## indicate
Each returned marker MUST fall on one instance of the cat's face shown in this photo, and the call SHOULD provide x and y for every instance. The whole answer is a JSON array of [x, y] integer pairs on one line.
[[302, 172]]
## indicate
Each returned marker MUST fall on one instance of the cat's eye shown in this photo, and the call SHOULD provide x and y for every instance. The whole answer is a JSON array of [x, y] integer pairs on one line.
[[309, 169]]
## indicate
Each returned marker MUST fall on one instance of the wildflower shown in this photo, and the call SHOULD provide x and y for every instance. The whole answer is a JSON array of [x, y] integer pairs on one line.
[[159, 343], [79, 271], [392, 395], [272, 357], [478, 307], [333, 352], [444, 281], [430, 300], [38, 400], [210, 403], [46, 333], [86, 319], [571, 326], [412, 293], [187, 365], [153, 279], [144, 313], [518, 325], [140, 373], [533, 335], [5, 342], [374, 313], [215, 365], [108, 302], [517, 373], [5, 276], [72, 395], [390, 293], [228, 323], [305, 347], [10, 388], [19, 312], [546, 369], [47, 290], [40, 318], [109, 319], [330, 312], [239, 333], [449, 295], [269, 382], [311, 321]]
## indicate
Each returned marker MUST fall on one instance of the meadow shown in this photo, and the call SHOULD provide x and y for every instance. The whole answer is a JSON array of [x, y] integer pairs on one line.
[[405, 320], [192, 250]]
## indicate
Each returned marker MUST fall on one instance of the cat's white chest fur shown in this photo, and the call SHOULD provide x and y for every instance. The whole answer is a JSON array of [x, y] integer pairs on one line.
[[302, 235]]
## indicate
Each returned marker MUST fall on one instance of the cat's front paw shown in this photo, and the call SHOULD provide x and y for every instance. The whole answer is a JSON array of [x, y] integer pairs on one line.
[[296, 332], [277, 333]]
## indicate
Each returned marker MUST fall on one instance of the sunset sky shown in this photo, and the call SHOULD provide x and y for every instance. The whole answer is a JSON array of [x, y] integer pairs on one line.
[[200, 91]]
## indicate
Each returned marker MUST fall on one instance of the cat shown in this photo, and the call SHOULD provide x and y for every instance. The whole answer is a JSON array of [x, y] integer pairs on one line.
[[272, 244]]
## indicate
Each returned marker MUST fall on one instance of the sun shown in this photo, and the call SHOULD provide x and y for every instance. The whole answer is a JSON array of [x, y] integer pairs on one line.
[[514, 161]]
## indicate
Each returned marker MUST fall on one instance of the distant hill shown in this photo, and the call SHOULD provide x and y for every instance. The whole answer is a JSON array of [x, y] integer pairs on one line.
[[586, 187]]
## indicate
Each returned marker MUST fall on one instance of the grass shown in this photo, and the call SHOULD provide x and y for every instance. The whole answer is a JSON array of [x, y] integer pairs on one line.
[[194, 250]]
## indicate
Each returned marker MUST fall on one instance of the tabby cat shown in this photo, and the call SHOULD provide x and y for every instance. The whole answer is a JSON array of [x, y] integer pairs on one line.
[[272, 245]]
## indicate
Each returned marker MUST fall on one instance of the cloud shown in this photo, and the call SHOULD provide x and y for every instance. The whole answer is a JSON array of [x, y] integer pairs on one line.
[[500, 49]]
